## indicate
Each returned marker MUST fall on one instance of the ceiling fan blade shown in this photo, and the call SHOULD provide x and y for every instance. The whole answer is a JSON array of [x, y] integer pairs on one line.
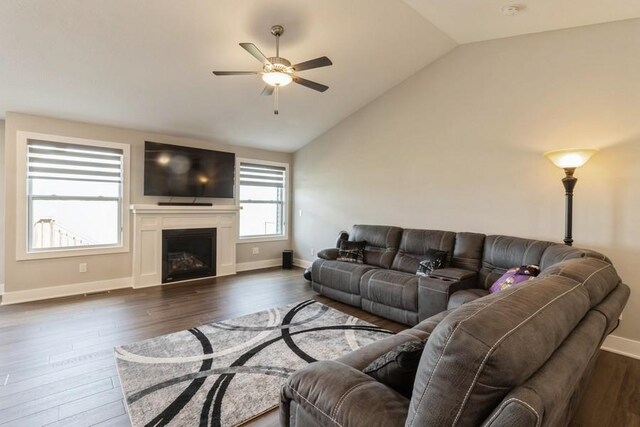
[[268, 90], [253, 50], [323, 61], [234, 73], [311, 85]]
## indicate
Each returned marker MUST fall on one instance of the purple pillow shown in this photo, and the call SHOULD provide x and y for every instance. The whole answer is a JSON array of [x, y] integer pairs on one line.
[[515, 276]]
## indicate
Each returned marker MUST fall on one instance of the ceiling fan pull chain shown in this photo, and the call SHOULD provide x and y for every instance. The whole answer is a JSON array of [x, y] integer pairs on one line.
[[275, 100]]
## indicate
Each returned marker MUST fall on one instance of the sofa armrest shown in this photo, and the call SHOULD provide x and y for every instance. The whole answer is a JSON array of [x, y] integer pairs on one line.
[[454, 274], [333, 394], [434, 292], [330, 254]]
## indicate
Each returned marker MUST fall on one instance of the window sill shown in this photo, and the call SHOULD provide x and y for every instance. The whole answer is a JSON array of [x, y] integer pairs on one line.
[[66, 253], [260, 239]]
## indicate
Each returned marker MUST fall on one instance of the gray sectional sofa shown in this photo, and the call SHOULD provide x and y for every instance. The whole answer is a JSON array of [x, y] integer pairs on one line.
[[519, 357], [387, 284]]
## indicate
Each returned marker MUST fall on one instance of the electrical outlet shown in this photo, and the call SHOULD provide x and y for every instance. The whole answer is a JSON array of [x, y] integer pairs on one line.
[[312, 252], [256, 250], [82, 268]]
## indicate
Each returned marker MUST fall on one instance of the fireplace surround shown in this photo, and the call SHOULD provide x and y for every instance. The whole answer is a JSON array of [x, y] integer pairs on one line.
[[151, 221]]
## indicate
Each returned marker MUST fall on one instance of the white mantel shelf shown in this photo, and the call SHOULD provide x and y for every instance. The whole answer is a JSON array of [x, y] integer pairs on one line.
[[150, 220], [156, 209]]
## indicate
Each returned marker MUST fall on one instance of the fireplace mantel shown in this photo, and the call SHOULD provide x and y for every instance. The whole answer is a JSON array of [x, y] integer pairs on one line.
[[150, 220]]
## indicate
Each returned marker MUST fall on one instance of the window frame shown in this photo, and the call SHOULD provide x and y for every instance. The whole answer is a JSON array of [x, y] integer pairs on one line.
[[285, 204], [24, 201]]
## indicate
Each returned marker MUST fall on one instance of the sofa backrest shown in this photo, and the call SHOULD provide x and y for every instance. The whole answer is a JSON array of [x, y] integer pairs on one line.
[[415, 243], [467, 252], [483, 350], [382, 243], [551, 396], [557, 253], [504, 252]]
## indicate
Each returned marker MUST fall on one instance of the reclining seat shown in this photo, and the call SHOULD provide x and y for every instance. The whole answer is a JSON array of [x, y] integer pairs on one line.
[[499, 255], [393, 294], [340, 280], [504, 252]]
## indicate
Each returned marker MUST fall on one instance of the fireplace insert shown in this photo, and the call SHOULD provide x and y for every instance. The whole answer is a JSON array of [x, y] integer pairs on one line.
[[188, 254]]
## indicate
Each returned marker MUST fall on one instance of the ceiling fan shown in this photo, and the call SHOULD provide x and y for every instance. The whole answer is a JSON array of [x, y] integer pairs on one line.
[[277, 72]]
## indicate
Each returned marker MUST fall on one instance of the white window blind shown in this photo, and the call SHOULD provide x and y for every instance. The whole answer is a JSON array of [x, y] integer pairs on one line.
[[74, 195], [262, 198]]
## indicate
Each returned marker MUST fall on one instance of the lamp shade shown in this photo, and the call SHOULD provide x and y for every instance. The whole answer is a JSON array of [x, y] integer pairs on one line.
[[276, 78], [570, 158]]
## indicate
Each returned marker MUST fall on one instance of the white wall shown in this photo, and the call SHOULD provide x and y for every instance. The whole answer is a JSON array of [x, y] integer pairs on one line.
[[459, 147], [33, 274]]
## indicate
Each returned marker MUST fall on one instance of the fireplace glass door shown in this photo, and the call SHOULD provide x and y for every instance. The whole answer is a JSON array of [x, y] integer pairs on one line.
[[188, 254]]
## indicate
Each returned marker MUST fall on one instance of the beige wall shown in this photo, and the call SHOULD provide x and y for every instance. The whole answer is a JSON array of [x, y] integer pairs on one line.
[[459, 147], [2, 204], [24, 275]]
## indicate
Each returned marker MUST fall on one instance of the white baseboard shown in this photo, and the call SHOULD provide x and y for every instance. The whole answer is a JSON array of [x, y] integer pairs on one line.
[[302, 263], [622, 346], [65, 290], [256, 265]]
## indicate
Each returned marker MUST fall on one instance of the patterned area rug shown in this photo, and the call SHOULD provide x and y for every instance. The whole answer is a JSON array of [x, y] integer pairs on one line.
[[226, 373]]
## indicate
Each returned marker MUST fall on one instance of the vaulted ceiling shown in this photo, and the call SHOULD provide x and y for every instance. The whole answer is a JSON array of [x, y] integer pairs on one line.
[[146, 64]]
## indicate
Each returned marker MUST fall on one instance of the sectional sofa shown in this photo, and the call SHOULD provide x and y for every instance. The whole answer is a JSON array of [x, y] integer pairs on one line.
[[521, 357], [387, 284]]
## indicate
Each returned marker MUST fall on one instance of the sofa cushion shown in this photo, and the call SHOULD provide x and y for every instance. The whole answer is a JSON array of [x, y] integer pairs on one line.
[[397, 367], [343, 276], [465, 296], [597, 276], [391, 288], [382, 243], [503, 252], [474, 356], [467, 251], [351, 252], [415, 244]]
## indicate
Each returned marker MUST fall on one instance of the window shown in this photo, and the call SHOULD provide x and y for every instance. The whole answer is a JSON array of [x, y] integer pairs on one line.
[[262, 195], [74, 195]]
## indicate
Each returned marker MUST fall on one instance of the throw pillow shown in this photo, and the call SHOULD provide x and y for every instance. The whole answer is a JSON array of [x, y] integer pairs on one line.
[[514, 276], [433, 260], [397, 368], [351, 251]]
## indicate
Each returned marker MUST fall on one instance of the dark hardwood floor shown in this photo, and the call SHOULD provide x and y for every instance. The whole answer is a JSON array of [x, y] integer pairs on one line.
[[57, 366]]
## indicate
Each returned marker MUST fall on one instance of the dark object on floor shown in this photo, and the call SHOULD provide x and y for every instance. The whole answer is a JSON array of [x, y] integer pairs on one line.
[[287, 259], [307, 273]]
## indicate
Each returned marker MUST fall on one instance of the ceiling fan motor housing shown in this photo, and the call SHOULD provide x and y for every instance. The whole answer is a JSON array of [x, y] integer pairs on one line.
[[278, 64]]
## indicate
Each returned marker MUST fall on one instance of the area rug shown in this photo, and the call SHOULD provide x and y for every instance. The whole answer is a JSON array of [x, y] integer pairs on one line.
[[226, 373]]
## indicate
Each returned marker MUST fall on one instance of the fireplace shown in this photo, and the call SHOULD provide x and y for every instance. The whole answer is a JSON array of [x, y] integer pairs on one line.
[[188, 254]]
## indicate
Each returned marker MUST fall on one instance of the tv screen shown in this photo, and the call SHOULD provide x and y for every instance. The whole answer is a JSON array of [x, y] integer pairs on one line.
[[172, 170]]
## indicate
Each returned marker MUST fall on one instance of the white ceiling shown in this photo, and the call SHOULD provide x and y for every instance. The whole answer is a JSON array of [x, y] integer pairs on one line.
[[146, 64], [469, 21]]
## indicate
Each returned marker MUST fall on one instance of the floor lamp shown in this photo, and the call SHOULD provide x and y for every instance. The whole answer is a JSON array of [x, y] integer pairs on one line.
[[569, 160]]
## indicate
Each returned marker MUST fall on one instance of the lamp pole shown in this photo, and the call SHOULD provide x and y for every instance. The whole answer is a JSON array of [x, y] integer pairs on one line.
[[569, 182], [569, 160]]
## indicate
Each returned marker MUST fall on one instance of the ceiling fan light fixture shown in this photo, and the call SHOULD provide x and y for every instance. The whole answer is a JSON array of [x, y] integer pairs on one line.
[[276, 78]]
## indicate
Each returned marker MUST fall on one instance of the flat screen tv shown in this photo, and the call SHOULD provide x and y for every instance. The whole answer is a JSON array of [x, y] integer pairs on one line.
[[175, 171]]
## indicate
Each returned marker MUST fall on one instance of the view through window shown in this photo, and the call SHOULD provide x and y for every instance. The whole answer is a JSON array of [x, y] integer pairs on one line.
[[74, 195], [262, 199]]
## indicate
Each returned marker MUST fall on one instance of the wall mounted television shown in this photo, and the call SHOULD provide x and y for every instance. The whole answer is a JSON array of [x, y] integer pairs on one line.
[[176, 171]]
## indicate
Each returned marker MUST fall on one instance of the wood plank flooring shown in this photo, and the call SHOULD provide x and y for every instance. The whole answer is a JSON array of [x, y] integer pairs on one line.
[[57, 366]]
